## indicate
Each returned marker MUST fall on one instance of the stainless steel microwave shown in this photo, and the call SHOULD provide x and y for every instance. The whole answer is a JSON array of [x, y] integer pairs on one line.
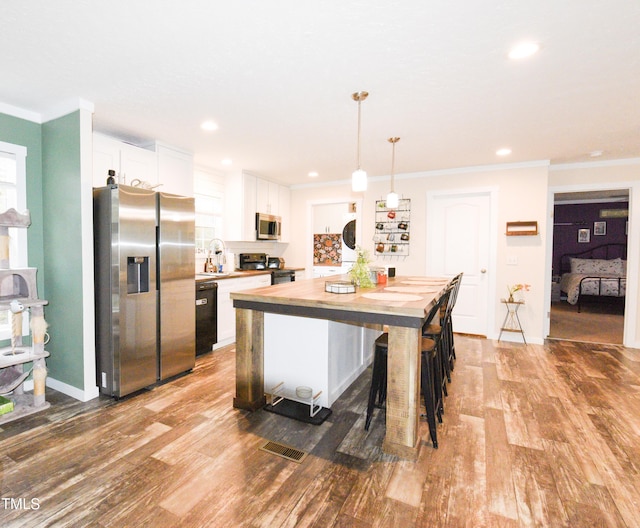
[[267, 226]]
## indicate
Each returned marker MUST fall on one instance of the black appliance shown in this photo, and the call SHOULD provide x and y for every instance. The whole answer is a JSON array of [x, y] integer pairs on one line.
[[278, 276], [275, 263], [206, 316], [252, 261], [278, 273], [260, 261]]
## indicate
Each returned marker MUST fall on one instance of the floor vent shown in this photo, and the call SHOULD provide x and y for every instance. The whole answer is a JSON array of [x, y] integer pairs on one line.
[[284, 451]]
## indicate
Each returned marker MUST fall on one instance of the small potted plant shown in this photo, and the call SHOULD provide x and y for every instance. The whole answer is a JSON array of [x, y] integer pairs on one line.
[[516, 288], [360, 273]]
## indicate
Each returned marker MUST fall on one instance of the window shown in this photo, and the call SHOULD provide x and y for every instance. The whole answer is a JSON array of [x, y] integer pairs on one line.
[[208, 220], [209, 198], [13, 195]]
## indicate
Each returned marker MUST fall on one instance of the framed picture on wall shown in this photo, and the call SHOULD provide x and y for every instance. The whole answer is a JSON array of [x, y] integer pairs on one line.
[[599, 228], [584, 235]]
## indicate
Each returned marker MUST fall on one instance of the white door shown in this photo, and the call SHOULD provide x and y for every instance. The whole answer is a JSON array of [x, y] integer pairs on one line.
[[459, 240]]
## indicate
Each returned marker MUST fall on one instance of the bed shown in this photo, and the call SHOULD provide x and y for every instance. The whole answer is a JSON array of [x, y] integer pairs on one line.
[[598, 273]]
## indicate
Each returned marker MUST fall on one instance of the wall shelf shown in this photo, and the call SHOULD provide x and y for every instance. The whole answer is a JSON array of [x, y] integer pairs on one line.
[[392, 229], [528, 228]]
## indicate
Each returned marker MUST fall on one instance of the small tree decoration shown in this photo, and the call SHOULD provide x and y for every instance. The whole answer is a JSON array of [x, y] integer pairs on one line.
[[360, 273]]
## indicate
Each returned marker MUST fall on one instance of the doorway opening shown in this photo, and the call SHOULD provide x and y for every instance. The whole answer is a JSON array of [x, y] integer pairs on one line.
[[590, 233], [336, 230]]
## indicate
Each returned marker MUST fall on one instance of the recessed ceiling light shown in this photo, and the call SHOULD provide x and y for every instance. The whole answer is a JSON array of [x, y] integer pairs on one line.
[[503, 151], [209, 126], [226, 161], [524, 49], [313, 174]]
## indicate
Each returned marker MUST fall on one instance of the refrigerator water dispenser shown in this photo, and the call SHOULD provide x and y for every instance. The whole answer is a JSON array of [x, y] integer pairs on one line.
[[137, 274]]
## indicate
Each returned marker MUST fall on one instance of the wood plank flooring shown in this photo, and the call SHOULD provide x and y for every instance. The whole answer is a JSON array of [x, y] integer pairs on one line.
[[532, 436]]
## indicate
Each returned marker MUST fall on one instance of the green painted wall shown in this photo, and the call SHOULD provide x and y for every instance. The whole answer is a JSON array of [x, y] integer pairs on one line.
[[61, 174]]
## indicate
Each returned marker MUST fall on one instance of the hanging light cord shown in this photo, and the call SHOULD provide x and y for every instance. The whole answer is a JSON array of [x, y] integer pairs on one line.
[[359, 97], [393, 141], [393, 163], [358, 134]]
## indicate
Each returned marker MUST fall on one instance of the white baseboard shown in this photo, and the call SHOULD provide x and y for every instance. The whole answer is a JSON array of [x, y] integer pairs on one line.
[[69, 390], [224, 343]]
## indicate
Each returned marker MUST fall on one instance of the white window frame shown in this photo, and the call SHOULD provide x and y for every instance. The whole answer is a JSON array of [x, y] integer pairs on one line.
[[18, 246]]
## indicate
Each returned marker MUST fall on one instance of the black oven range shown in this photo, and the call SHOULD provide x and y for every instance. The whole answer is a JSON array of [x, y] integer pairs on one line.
[[261, 261]]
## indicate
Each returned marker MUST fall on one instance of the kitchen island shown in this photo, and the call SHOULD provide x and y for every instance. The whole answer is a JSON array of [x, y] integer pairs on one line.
[[402, 305]]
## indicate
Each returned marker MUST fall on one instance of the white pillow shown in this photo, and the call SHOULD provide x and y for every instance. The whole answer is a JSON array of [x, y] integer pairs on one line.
[[597, 267]]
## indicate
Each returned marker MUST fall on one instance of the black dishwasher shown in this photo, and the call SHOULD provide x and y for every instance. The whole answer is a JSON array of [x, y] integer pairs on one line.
[[206, 315]]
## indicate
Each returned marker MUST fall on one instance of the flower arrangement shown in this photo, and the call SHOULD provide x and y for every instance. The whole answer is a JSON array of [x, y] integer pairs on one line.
[[516, 288], [360, 273]]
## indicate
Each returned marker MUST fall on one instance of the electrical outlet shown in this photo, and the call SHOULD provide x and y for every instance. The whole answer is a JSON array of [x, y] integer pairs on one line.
[[104, 380], [512, 260]]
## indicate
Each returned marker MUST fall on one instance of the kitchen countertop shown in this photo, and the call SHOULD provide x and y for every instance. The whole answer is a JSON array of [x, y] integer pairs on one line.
[[310, 294], [237, 274]]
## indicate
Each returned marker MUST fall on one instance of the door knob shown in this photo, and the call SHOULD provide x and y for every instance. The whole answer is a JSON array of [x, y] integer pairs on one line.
[[483, 270]]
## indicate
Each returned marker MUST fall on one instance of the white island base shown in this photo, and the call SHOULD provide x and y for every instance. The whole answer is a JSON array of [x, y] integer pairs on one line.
[[325, 355]]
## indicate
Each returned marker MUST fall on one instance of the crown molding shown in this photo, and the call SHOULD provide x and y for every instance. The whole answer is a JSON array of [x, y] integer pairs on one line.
[[594, 164], [20, 113], [433, 173], [67, 107], [60, 109]]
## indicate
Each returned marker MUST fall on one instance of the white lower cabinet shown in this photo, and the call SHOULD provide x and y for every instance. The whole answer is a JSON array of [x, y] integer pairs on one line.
[[324, 355], [326, 271], [226, 312]]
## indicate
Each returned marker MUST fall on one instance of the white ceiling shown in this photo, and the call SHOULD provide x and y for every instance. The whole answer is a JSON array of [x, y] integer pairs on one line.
[[277, 76]]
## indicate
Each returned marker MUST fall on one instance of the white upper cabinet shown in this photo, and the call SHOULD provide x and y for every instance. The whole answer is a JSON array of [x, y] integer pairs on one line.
[[329, 218], [239, 207], [175, 170], [106, 156], [246, 195], [138, 164], [267, 197], [166, 168], [129, 162], [284, 207]]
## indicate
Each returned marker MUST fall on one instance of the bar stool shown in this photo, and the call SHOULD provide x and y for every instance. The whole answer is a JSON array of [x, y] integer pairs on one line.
[[431, 373], [429, 382], [430, 376], [430, 387], [452, 348], [378, 390], [444, 329]]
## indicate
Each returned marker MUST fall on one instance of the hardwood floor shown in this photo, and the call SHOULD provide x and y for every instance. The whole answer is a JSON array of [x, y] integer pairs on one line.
[[532, 436]]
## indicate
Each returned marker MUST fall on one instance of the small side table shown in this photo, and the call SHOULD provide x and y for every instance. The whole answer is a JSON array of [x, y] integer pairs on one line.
[[511, 321]]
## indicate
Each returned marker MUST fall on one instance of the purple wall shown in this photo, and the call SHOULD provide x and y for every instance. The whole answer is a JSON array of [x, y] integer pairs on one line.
[[582, 216]]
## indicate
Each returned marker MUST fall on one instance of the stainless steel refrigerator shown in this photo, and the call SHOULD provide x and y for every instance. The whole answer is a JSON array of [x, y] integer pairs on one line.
[[144, 243]]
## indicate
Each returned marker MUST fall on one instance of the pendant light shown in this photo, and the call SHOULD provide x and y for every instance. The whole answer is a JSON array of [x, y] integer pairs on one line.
[[359, 177], [392, 198]]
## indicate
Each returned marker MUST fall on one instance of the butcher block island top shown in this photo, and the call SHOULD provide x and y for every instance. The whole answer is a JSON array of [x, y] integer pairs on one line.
[[402, 305], [405, 301]]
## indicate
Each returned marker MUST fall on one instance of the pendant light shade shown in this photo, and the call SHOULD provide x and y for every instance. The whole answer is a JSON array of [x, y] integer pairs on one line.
[[359, 181], [393, 199], [359, 177]]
